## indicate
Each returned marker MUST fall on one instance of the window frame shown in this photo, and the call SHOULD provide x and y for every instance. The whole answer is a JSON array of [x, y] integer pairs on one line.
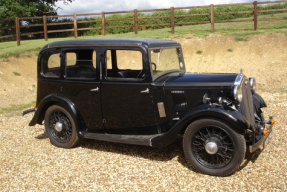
[[154, 78], [121, 79], [41, 64], [71, 49]]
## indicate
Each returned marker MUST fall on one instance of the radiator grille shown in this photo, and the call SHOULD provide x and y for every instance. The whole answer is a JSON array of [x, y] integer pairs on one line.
[[246, 106]]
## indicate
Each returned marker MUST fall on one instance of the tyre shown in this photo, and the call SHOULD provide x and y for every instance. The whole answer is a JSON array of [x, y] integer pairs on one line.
[[60, 127], [213, 148]]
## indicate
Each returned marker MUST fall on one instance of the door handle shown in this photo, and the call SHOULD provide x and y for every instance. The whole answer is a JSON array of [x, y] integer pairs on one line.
[[96, 89], [145, 91]]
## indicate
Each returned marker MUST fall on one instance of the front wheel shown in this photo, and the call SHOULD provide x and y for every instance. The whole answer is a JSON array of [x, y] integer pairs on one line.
[[213, 148], [60, 127]]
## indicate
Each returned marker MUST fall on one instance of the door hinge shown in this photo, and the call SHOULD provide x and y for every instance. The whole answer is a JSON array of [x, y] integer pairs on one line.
[[104, 120]]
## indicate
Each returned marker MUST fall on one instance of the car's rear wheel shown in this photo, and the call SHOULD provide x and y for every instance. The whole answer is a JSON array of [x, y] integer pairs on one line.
[[213, 148], [60, 127]]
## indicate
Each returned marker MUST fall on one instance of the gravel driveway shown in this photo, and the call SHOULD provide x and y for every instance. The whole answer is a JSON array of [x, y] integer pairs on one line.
[[29, 162]]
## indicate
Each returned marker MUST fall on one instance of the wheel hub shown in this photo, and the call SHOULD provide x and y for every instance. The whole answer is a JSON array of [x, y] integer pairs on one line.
[[59, 126], [211, 148]]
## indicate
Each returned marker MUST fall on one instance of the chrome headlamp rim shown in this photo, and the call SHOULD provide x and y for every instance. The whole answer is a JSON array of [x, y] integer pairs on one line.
[[252, 82], [237, 93]]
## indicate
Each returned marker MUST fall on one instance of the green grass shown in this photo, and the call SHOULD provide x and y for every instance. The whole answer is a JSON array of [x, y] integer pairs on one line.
[[16, 109], [16, 73], [240, 31], [199, 51], [241, 38], [229, 50]]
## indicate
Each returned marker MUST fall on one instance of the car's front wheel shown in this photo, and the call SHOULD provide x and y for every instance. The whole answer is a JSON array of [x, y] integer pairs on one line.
[[60, 127], [213, 148]]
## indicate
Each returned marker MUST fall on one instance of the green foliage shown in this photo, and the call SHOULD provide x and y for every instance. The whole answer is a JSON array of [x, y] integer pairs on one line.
[[241, 38], [26, 8], [168, 20], [199, 51], [38, 8], [16, 73], [14, 108], [240, 29], [229, 50]]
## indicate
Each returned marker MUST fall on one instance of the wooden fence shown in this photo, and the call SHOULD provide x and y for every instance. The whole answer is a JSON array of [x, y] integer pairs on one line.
[[45, 31]]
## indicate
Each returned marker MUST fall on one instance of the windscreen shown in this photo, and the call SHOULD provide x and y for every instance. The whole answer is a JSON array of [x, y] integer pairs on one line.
[[166, 60]]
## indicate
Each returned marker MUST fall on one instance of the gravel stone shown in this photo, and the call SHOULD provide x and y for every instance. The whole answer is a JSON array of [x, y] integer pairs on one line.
[[28, 162]]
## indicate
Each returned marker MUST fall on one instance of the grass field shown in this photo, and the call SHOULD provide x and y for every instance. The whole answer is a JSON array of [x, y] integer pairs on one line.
[[240, 30]]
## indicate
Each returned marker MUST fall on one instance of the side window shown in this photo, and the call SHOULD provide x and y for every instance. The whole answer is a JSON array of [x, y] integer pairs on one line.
[[51, 64], [80, 64], [129, 64]]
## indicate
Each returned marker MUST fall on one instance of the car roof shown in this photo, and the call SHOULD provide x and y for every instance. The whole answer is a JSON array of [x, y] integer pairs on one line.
[[121, 42]]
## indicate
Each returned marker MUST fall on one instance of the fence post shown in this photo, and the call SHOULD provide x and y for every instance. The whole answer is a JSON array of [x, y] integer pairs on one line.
[[45, 27], [17, 23], [136, 21], [212, 17], [103, 23], [75, 26], [172, 19], [255, 15]]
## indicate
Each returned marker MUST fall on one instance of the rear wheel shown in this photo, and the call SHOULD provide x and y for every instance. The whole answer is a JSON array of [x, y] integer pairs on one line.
[[60, 127], [213, 148]]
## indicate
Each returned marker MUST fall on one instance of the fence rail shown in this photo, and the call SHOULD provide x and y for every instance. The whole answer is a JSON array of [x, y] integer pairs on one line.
[[75, 28]]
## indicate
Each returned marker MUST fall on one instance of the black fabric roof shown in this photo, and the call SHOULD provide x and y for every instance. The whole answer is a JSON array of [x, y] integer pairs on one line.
[[137, 42]]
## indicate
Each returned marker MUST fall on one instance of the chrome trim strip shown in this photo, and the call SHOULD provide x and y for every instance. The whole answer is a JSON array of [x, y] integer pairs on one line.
[[238, 79], [176, 119]]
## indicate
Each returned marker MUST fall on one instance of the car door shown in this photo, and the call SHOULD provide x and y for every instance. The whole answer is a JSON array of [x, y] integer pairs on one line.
[[127, 105], [81, 85]]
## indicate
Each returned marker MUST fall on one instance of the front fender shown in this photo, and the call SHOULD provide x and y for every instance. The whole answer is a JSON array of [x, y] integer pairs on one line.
[[228, 115], [63, 101], [258, 103]]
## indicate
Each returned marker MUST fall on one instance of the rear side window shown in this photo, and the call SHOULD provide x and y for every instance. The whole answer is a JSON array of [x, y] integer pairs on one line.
[[51, 64], [80, 64]]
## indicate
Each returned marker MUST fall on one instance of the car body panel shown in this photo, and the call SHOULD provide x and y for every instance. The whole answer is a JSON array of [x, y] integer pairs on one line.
[[121, 106]]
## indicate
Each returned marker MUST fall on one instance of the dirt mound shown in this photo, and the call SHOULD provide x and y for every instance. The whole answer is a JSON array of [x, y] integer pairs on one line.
[[18, 81], [261, 56]]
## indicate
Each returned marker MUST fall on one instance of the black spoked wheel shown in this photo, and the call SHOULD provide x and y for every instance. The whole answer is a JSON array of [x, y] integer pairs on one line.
[[60, 127], [213, 148]]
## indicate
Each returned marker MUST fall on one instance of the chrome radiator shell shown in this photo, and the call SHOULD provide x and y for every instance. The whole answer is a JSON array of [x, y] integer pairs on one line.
[[246, 106]]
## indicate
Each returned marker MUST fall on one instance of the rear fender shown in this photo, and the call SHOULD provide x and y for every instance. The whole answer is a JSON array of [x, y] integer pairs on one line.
[[60, 100], [227, 114]]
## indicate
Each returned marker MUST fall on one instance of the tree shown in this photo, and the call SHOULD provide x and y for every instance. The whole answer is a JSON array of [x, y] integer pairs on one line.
[[26, 8]]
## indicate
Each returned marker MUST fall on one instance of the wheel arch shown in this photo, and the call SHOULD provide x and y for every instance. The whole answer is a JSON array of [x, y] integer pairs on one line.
[[61, 100], [258, 103], [229, 116]]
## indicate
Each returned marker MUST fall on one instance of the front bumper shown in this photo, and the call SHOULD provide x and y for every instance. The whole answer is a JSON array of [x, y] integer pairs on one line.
[[266, 138]]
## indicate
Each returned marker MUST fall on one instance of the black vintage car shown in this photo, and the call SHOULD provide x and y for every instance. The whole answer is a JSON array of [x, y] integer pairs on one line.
[[137, 91]]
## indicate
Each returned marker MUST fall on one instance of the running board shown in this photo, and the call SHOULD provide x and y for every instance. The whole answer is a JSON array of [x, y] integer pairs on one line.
[[128, 139]]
